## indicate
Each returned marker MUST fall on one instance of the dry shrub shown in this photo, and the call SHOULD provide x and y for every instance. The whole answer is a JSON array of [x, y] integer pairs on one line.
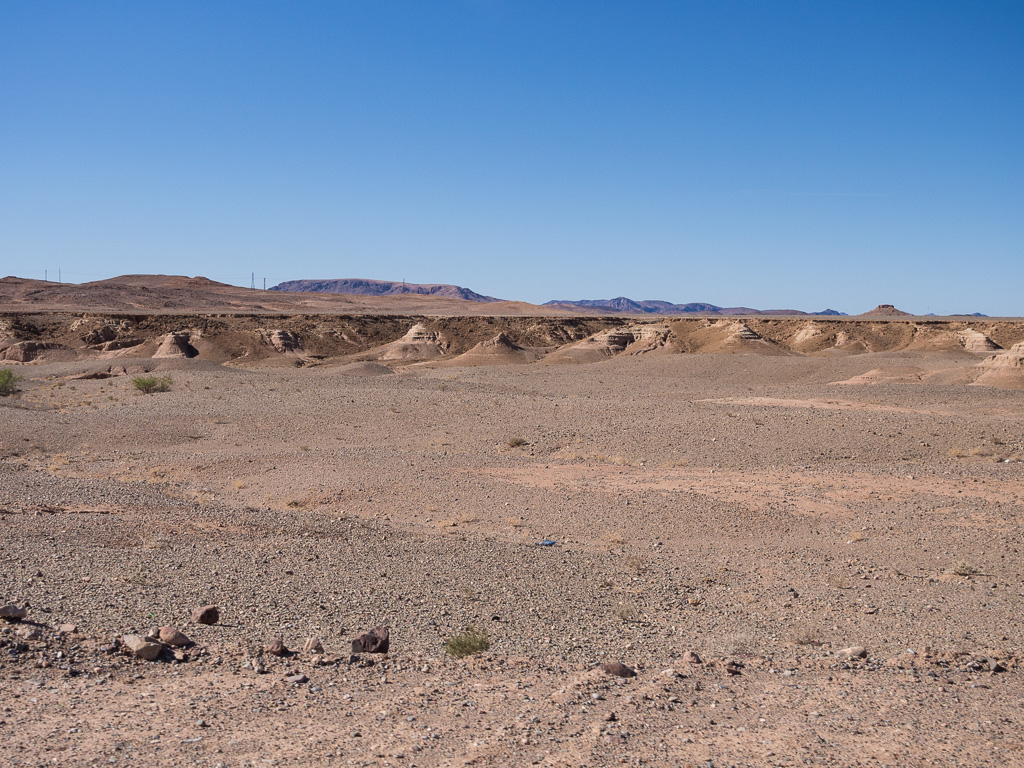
[[743, 643], [957, 453], [8, 382], [636, 564], [625, 611], [979, 451], [805, 635], [469, 641], [516, 442], [961, 568], [147, 385], [836, 581]]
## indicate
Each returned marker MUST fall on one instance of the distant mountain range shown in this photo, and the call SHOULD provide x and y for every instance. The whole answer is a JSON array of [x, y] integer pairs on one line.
[[621, 304], [624, 305], [362, 287]]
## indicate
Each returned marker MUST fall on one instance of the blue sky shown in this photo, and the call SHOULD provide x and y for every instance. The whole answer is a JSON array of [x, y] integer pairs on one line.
[[766, 154]]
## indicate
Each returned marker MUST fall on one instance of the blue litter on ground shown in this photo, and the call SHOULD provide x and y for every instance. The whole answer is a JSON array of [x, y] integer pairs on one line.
[[546, 543]]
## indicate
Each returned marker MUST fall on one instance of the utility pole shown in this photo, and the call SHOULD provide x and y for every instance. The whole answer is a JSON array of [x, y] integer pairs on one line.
[[264, 283], [252, 282], [58, 275], [46, 276]]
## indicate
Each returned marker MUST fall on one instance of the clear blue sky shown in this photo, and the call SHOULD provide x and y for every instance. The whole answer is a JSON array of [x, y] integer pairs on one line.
[[767, 154]]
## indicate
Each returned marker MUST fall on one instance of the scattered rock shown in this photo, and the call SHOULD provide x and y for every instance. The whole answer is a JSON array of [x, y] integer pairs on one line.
[[67, 629], [174, 637], [312, 645], [276, 647], [610, 717], [30, 633], [12, 612], [993, 665], [376, 640], [690, 657], [853, 652], [297, 679], [614, 738], [141, 647], [616, 669], [208, 614]]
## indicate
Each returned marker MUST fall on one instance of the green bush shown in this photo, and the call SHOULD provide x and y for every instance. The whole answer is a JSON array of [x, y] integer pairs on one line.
[[8, 382], [147, 385], [467, 643]]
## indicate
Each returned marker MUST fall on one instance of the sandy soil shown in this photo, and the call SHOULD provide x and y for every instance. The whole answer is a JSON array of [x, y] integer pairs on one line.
[[747, 508]]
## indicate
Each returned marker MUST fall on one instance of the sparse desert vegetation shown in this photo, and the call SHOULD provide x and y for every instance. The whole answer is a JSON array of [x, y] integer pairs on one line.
[[8, 382], [466, 643], [727, 527], [148, 385]]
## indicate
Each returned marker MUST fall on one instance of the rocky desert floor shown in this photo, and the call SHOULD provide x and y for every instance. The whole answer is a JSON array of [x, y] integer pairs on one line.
[[732, 527]]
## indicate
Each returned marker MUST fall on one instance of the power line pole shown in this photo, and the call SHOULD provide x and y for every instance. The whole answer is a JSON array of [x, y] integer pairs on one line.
[[264, 283], [252, 282]]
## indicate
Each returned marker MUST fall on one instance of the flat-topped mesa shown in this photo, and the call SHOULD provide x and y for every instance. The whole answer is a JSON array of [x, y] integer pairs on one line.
[[886, 310]]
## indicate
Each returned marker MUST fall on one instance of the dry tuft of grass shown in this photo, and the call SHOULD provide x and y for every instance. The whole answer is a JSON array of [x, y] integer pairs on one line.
[[961, 568], [979, 451], [516, 442], [147, 385], [805, 635], [466, 643], [957, 453], [636, 564], [837, 582], [741, 643], [625, 611]]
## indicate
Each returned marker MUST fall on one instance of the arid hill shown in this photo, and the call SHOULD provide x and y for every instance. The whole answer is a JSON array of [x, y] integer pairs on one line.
[[622, 305], [361, 287], [885, 310], [398, 341], [174, 293]]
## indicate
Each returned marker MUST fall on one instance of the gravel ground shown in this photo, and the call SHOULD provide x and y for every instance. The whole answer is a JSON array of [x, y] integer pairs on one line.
[[740, 507]]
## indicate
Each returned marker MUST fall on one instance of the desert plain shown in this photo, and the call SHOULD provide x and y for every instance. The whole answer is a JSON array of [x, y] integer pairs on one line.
[[803, 535]]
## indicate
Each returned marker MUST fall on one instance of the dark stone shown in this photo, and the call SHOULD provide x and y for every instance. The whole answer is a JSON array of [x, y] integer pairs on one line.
[[208, 614], [617, 669], [276, 647], [377, 640]]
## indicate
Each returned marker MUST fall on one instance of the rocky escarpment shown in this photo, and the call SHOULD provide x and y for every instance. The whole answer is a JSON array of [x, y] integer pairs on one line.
[[397, 341]]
